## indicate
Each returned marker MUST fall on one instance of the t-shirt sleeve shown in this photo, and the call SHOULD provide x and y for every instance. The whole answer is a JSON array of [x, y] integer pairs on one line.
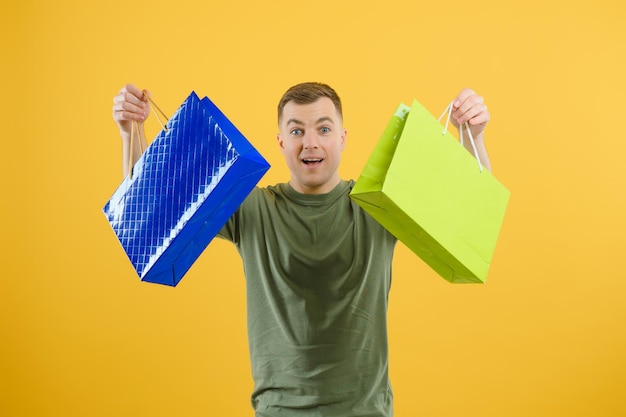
[[230, 231]]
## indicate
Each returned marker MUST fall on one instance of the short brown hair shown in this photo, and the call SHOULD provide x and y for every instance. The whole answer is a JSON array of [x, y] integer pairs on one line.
[[307, 93]]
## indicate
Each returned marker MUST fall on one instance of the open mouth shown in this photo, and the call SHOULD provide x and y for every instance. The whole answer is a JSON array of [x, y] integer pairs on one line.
[[312, 161]]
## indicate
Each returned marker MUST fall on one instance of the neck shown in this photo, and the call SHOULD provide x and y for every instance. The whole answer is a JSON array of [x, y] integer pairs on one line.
[[320, 189]]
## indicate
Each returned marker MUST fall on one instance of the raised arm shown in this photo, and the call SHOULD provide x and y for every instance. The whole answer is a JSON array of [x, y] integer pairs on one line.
[[470, 107], [129, 105]]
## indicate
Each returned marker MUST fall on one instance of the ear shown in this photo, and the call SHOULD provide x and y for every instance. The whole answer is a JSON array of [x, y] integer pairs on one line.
[[281, 143], [344, 135]]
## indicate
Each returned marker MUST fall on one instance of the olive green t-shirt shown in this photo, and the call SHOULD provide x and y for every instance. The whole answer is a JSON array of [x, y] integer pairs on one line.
[[318, 273]]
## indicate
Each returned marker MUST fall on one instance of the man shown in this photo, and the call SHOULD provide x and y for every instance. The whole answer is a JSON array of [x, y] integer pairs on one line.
[[318, 268]]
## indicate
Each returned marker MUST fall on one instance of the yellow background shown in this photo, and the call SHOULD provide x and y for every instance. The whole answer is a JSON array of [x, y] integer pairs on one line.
[[82, 336]]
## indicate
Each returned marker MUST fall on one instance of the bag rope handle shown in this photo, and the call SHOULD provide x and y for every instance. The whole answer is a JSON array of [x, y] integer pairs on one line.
[[467, 127], [134, 127], [142, 138], [153, 107]]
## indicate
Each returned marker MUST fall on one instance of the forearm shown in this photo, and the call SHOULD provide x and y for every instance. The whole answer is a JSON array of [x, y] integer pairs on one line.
[[130, 109], [481, 150], [138, 144]]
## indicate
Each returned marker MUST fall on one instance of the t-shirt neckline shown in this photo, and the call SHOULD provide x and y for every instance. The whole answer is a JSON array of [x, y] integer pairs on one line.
[[316, 199]]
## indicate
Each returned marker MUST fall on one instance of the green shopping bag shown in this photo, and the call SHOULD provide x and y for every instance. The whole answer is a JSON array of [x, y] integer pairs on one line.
[[424, 187]]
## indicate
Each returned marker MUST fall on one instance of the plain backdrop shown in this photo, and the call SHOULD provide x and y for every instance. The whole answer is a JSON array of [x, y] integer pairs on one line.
[[82, 336]]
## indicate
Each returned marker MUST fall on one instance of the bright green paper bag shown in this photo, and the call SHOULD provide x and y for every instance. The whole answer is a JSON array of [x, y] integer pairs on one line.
[[424, 187]]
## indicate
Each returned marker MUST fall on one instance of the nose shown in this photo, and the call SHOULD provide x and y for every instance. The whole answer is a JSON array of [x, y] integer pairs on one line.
[[310, 140]]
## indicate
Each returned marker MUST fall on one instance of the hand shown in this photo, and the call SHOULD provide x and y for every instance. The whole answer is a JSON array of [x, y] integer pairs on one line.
[[129, 105], [470, 107]]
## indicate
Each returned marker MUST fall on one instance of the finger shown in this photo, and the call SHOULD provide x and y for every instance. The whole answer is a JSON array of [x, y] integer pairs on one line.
[[477, 113], [129, 98], [481, 117], [125, 116], [131, 91], [130, 104], [121, 115], [465, 102], [132, 95], [462, 97], [471, 105], [125, 111]]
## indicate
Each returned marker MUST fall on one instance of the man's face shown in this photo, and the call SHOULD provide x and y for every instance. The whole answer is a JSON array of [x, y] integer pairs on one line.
[[311, 138]]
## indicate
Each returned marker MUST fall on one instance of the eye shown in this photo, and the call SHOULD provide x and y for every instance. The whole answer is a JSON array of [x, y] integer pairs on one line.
[[296, 132], [325, 130]]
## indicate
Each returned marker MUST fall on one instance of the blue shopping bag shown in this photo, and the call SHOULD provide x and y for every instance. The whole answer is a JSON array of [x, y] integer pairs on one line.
[[183, 189]]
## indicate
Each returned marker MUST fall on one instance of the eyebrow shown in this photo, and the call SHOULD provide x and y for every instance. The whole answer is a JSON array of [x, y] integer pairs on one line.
[[320, 120]]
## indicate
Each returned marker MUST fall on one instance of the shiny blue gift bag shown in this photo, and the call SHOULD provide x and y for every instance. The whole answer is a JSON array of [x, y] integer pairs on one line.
[[183, 189]]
